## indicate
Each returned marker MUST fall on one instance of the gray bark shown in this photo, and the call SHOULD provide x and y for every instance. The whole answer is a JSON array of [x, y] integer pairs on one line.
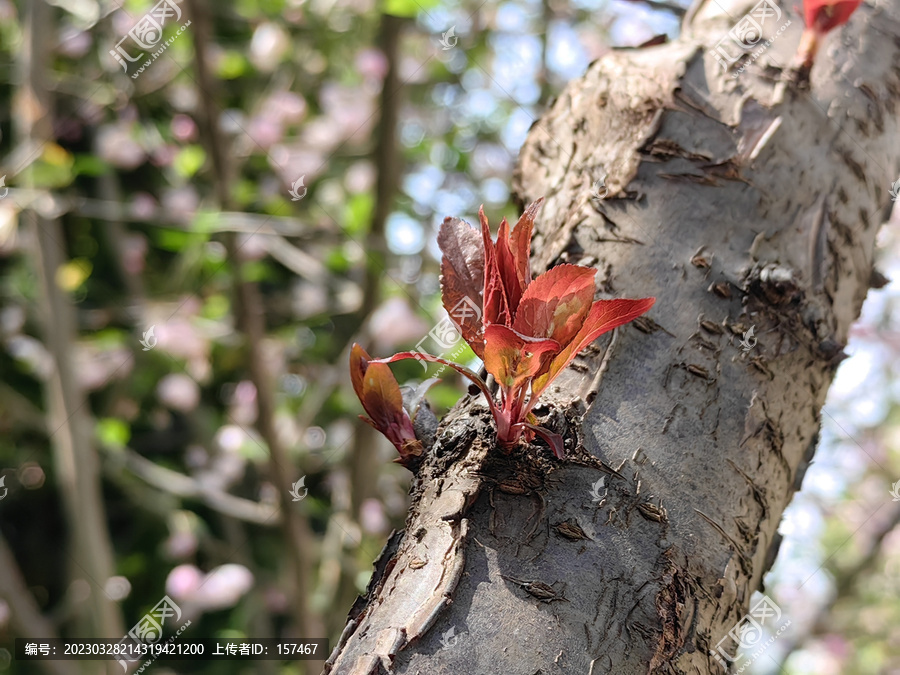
[[699, 444]]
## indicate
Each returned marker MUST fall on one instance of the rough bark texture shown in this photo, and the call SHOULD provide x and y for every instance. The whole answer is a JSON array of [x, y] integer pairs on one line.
[[535, 565]]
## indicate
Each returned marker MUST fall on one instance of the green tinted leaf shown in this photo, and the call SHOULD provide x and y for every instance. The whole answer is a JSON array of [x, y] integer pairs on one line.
[[232, 65], [112, 432], [90, 165], [47, 175], [254, 450], [244, 192], [407, 8], [216, 307], [177, 240], [443, 396], [189, 161], [206, 221], [336, 260], [255, 270], [358, 213]]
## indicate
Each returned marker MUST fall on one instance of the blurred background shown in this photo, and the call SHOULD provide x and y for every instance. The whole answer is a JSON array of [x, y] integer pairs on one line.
[[201, 207]]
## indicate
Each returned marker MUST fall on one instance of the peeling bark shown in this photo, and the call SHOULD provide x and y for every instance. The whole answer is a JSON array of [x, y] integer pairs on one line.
[[739, 204]]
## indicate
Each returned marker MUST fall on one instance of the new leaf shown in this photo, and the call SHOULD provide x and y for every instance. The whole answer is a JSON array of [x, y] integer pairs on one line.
[[381, 398], [526, 331]]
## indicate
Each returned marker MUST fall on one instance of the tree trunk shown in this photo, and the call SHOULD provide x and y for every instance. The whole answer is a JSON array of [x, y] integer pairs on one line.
[[738, 203]]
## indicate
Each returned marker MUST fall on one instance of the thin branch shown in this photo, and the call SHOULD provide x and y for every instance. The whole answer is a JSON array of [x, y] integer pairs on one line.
[[298, 261], [178, 484], [113, 231], [362, 462], [27, 620], [69, 423], [249, 313], [25, 414], [544, 73], [50, 204]]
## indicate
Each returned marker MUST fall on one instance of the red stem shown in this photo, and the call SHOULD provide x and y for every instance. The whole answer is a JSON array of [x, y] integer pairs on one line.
[[462, 370]]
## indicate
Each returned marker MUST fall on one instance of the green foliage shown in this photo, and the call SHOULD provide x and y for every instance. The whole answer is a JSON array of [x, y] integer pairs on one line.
[[113, 433], [408, 8], [189, 161]]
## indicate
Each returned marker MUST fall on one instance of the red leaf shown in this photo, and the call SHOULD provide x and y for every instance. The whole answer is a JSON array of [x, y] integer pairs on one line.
[[823, 15], [512, 358], [462, 279], [381, 395], [506, 265], [604, 316], [520, 242], [496, 307], [369, 421], [556, 303], [384, 403], [552, 439], [359, 361], [378, 391], [512, 251]]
